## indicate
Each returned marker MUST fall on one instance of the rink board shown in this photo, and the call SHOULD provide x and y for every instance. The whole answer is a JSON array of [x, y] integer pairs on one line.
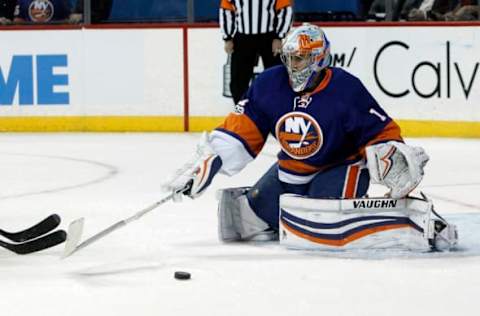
[[171, 78]]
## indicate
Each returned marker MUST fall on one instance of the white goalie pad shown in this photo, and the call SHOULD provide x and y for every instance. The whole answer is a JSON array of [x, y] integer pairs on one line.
[[366, 223], [236, 219]]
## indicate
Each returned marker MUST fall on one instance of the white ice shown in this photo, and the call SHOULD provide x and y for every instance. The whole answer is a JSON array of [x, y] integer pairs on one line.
[[108, 177]]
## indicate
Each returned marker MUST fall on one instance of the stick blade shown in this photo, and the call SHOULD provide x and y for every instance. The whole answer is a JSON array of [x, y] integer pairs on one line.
[[45, 226], [39, 244], [75, 230]]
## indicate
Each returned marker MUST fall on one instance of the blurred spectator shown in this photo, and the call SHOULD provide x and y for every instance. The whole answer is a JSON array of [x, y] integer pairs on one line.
[[420, 13], [100, 11], [41, 11], [403, 7], [252, 31], [446, 10], [466, 10], [365, 7], [377, 10], [400, 9], [7, 8]]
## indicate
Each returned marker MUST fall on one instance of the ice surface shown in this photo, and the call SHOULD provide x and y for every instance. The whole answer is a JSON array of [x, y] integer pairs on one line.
[[108, 177]]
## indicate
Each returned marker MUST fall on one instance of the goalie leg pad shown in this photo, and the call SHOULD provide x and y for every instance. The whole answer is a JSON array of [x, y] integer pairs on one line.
[[378, 223], [236, 219]]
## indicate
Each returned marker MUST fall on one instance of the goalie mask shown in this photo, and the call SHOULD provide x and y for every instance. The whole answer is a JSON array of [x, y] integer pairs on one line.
[[305, 52]]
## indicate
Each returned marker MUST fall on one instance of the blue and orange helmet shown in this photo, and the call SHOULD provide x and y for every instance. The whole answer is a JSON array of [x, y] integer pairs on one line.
[[305, 52]]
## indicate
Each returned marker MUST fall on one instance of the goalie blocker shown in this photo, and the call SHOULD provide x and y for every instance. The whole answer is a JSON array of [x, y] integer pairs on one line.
[[366, 223]]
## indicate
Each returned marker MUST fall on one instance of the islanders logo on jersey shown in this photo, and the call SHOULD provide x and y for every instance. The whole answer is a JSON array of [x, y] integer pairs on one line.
[[299, 135], [41, 11]]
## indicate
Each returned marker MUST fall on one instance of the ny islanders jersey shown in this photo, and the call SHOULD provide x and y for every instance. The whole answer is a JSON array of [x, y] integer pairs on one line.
[[328, 127]]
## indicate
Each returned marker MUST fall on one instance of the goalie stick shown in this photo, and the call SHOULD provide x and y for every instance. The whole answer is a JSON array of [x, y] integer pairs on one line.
[[41, 228], [41, 243], [75, 228]]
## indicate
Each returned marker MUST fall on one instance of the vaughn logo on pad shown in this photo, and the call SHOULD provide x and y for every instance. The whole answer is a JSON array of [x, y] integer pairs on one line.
[[375, 204]]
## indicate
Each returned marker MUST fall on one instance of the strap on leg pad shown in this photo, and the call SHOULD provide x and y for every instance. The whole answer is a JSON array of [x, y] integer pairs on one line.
[[236, 219]]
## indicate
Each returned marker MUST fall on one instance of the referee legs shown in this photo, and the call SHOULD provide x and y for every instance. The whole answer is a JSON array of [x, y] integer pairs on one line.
[[242, 64], [265, 51]]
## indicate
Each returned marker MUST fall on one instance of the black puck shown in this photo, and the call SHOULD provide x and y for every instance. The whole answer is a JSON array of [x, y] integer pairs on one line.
[[181, 275]]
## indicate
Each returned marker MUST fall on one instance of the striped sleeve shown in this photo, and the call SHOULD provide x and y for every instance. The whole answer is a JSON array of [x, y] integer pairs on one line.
[[244, 128], [390, 132], [243, 133], [237, 141], [227, 19], [283, 18], [231, 150]]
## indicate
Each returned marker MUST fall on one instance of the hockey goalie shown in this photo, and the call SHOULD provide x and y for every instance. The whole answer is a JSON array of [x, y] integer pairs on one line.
[[335, 140]]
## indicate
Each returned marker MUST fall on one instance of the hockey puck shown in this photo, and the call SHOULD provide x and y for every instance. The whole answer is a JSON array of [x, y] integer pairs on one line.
[[181, 275]]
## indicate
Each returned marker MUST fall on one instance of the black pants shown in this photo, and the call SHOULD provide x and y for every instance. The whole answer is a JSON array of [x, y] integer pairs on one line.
[[245, 51]]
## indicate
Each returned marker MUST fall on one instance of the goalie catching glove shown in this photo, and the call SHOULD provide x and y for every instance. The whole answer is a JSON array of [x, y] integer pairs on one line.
[[196, 175], [397, 166]]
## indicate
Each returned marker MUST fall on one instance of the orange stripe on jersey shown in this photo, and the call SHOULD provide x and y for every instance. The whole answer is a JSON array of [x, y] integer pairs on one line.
[[298, 166], [351, 182], [390, 132], [346, 240], [325, 81], [244, 127], [282, 4], [227, 5]]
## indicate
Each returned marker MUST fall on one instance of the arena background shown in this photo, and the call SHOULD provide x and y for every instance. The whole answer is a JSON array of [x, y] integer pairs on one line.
[[170, 76]]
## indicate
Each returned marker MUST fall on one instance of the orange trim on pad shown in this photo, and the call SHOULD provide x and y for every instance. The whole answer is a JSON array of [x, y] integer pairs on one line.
[[344, 241], [205, 166]]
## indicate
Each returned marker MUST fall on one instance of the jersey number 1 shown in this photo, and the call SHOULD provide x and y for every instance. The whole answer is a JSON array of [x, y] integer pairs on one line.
[[374, 112]]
